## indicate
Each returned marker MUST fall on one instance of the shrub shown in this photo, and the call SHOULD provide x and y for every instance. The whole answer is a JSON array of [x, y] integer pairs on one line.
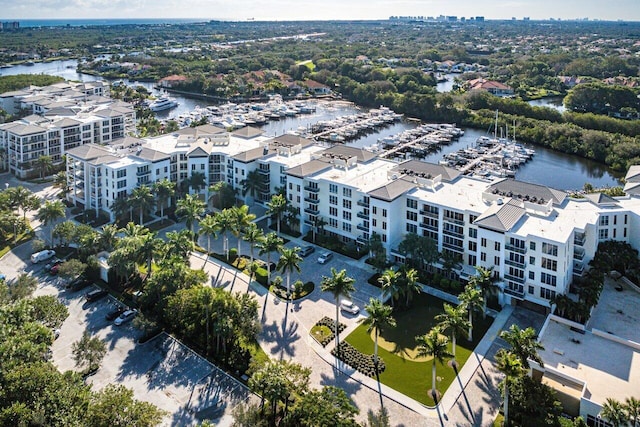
[[327, 322], [261, 276], [361, 362]]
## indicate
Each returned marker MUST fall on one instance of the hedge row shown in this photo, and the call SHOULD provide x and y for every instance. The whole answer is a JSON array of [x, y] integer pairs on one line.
[[361, 362]]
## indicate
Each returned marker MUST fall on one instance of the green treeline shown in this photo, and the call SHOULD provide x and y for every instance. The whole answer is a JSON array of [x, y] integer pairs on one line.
[[19, 81]]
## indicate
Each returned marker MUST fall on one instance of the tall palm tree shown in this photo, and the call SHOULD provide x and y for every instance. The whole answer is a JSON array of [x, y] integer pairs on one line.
[[120, 207], [453, 320], [141, 199], [19, 198], [270, 243], [148, 246], [340, 285], [209, 228], [289, 262], [163, 190], [49, 213], [471, 299], [389, 283], [614, 412], [224, 223], [190, 209], [524, 344], [409, 283], [44, 164], [276, 207], [433, 345], [482, 281], [241, 218], [134, 230], [318, 224], [109, 236], [379, 317], [179, 243], [253, 234], [252, 184], [197, 181], [632, 408], [60, 181], [509, 364]]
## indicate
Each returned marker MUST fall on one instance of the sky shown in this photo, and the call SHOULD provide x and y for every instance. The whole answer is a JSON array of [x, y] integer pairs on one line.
[[280, 10]]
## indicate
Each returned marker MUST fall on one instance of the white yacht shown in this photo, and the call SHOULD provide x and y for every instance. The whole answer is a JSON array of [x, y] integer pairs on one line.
[[163, 103]]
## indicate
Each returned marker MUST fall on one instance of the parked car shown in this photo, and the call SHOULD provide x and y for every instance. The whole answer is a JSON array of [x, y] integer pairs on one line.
[[56, 333], [96, 295], [305, 251], [349, 307], [50, 264], [42, 256], [115, 313], [325, 257], [54, 268], [78, 283], [125, 317]]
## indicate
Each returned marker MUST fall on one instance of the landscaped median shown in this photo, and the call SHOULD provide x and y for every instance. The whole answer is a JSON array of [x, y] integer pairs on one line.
[[404, 371]]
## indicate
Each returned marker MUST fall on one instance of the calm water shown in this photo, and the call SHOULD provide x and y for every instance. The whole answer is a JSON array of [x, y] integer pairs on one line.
[[90, 22], [554, 102], [548, 167]]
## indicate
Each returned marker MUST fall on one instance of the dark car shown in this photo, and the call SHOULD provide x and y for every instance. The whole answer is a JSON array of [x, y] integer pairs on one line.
[[112, 315], [305, 251], [96, 295], [78, 284]]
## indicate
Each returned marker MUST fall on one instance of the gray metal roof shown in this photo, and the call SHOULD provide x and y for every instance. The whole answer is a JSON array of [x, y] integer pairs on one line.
[[501, 217], [363, 156], [392, 190], [426, 170], [290, 140], [601, 199], [527, 191], [247, 132], [309, 168], [251, 155], [89, 151]]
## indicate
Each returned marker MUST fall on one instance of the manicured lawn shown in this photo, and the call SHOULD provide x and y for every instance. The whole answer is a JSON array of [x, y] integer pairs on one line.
[[412, 377]]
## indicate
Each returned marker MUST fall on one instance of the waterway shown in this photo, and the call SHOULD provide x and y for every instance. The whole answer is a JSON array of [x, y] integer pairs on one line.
[[548, 167]]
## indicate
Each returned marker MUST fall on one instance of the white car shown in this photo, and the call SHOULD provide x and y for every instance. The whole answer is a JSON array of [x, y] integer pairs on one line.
[[325, 257], [349, 307], [125, 317], [42, 256]]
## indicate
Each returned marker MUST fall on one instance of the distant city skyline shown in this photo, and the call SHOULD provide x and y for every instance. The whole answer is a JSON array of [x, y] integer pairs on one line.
[[280, 10]]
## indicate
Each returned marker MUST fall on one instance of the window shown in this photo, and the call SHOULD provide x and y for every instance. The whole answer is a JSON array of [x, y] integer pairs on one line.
[[384, 225], [122, 173], [384, 238], [374, 210], [291, 186], [483, 242], [333, 222], [473, 246], [532, 276], [346, 215], [374, 222], [624, 232], [333, 188], [473, 233], [532, 260], [122, 184], [412, 228], [547, 293], [615, 219], [412, 216], [333, 200], [531, 289], [412, 204], [472, 218], [346, 227], [483, 256], [472, 260], [550, 249], [604, 220], [614, 232], [346, 192], [496, 260], [346, 204], [603, 234], [193, 167], [297, 186], [625, 219], [548, 279], [384, 213], [333, 211], [532, 246], [549, 264], [496, 246]]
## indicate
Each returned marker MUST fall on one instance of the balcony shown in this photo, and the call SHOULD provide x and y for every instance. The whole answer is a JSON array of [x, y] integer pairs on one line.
[[578, 239], [453, 247], [453, 220], [311, 211], [362, 240], [362, 227], [429, 213], [311, 189], [362, 215], [363, 203], [578, 254], [514, 278], [308, 222], [450, 232], [263, 171], [143, 173], [518, 249], [515, 264], [518, 293], [429, 226], [311, 200], [578, 269]]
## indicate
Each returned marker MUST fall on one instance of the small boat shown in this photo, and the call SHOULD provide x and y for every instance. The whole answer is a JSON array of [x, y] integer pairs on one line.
[[163, 103]]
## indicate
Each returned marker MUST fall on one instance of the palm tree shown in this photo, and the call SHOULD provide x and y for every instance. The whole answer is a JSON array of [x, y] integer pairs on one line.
[[289, 261], [134, 230], [482, 281], [242, 218], [433, 345], [471, 299], [524, 344], [148, 246], [163, 190], [190, 208], [254, 235], [224, 223], [270, 243], [49, 213], [60, 181], [141, 199], [276, 207], [379, 317], [120, 207], [19, 198], [197, 181], [409, 283], [318, 224], [179, 243], [614, 412], [632, 408], [109, 236], [340, 285], [453, 320], [389, 283], [44, 164], [509, 364], [209, 228], [252, 184]]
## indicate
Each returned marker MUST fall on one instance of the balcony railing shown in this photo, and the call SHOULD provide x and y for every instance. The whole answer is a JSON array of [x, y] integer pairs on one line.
[[515, 292], [429, 226], [453, 220], [450, 232], [514, 278], [363, 203], [311, 211], [515, 264], [362, 215], [453, 247], [263, 171], [311, 189], [311, 200], [578, 239], [518, 249], [578, 254], [429, 213], [362, 227]]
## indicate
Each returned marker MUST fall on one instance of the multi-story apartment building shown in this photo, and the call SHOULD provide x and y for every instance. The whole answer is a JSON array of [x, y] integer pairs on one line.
[[62, 119]]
